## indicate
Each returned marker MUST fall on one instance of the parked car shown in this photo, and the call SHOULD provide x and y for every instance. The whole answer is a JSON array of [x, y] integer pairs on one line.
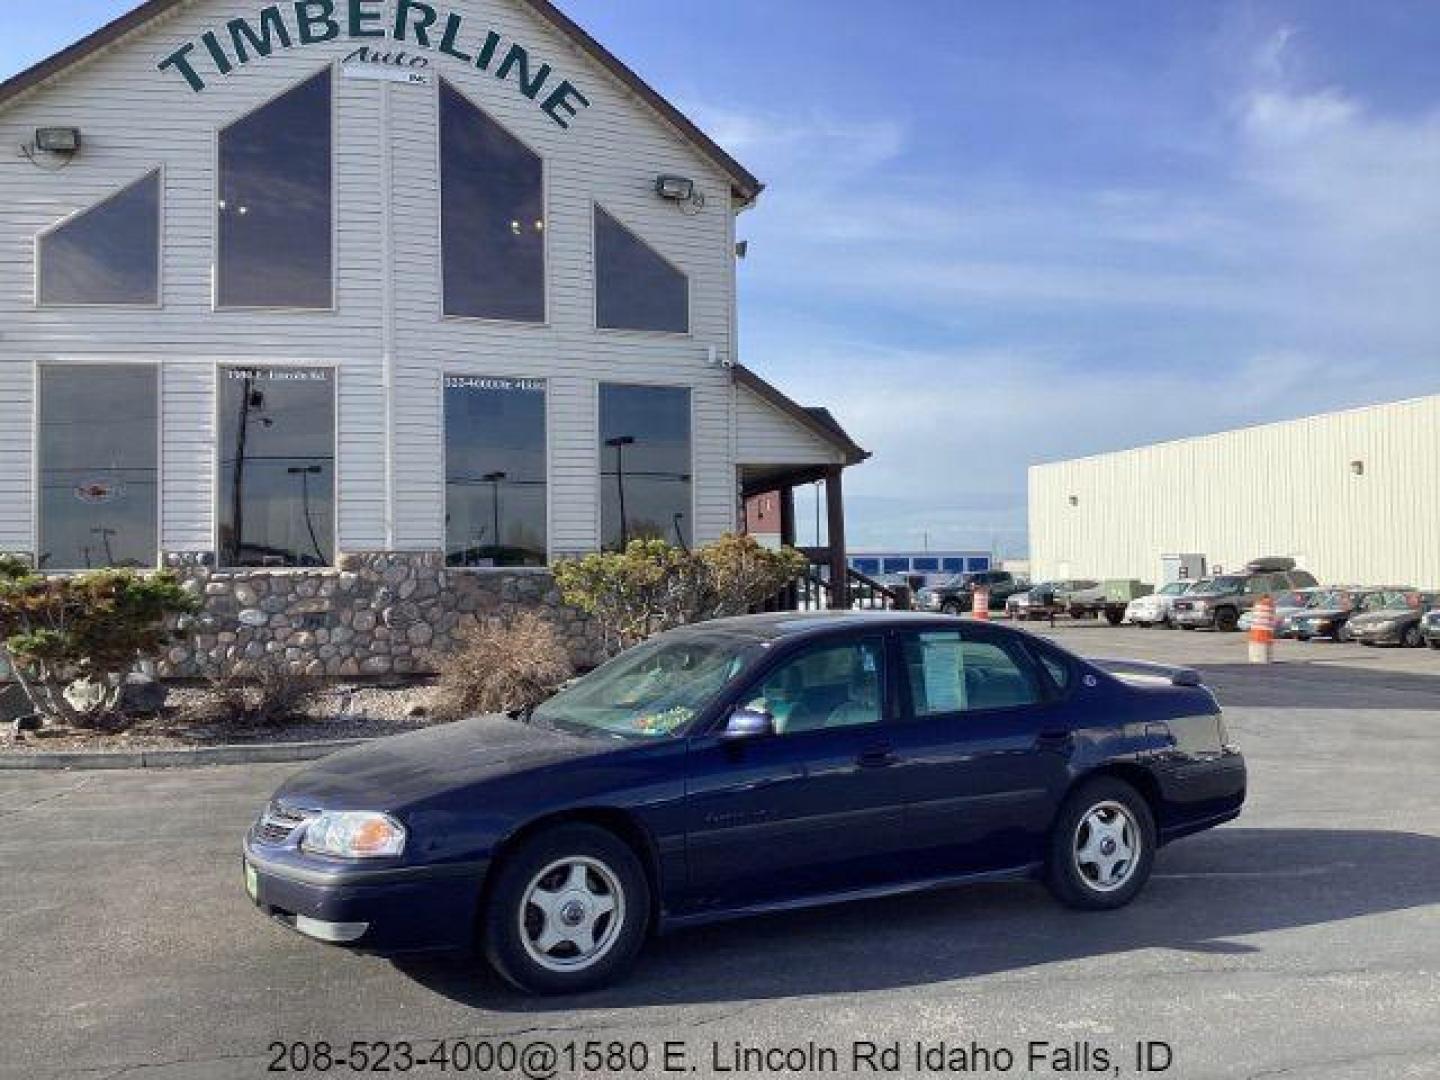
[[1430, 629], [957, 596], [1331, 612], [1287, 606], [742, 766], [1154, 610], [1394, 620], [1078, 598], [1225, 597]]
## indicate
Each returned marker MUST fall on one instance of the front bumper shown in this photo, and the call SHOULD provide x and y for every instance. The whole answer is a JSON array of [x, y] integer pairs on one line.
[[1193, 617], [394, 909], [1387, 634]]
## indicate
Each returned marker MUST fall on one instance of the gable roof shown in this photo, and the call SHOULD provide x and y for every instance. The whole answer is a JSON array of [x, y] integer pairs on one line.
[[743, 184], [817, 421]]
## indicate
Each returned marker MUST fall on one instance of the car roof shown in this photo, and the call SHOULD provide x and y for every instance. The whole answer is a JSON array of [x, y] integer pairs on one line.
[[794, 624]]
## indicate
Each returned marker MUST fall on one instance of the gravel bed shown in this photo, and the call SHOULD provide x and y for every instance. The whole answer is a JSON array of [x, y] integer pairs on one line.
[[339, 713]]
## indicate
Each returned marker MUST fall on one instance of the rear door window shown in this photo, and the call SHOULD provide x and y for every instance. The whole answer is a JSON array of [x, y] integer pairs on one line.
[[952, 672]]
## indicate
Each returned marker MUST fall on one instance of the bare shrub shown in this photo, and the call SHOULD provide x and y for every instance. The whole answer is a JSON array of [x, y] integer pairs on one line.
[[503, 666], [264, 694]]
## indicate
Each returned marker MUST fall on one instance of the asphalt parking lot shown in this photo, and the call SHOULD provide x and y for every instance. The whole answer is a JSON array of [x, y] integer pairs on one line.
[[1302, 941]]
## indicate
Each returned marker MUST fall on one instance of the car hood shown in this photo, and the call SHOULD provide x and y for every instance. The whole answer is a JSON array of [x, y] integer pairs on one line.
[[1323, 613], [399, 771]]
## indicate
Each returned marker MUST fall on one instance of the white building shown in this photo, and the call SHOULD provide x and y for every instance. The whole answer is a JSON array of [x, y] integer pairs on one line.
[[1353, 497], [398, 287]]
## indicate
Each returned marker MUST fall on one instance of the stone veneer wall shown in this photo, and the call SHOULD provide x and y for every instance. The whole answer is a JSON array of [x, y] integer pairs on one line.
[[376, 615]]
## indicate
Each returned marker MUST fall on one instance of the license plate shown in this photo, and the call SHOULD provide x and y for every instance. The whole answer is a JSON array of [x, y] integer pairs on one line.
[[252, 883]]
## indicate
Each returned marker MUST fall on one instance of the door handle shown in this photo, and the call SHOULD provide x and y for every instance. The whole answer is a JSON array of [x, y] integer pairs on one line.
[[878, 757], [1054, 740]]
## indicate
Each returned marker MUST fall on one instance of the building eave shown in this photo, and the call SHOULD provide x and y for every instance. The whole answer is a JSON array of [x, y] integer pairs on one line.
[[827, 429], [745, 188]]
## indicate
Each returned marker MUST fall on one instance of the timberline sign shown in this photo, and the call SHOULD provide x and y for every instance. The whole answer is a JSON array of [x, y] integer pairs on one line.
[[414, 25]]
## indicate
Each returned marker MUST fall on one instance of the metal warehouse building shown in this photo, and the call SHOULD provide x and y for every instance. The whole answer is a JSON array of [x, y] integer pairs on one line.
[[1352, 496], [362, 313]]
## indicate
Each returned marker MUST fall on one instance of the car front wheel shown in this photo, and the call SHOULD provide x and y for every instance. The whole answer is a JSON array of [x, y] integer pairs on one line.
[[569, 911], [1102, 846], [1227, 620], [1413, 639]]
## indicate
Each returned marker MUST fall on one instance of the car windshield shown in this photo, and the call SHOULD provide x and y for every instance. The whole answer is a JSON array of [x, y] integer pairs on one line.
[[1225, 584], [653, 690], [1292, 599], [1176, 588], [1389, 601]]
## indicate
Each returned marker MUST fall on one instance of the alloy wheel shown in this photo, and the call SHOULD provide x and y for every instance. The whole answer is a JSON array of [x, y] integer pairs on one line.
[[1107, 847], [572, 914]]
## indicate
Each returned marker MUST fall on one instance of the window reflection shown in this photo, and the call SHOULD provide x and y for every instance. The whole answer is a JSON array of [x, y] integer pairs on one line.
[[277, 467], [492, 216], [274, 213], [109, 254], [635, 288], [99, 472], [495, 472], [645, 465]]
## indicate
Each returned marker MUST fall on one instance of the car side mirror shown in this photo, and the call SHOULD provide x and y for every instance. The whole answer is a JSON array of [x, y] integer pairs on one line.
[[745, 724]]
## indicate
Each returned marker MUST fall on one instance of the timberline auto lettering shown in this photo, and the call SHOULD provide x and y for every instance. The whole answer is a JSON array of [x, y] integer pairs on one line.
[[422, 25]]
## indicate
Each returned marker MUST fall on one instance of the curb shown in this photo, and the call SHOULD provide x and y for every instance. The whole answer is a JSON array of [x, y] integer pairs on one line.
[[199, 758]]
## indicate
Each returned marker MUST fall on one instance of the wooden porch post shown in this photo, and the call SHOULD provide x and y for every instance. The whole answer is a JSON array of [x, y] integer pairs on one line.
[[788, 539], [839, 563]]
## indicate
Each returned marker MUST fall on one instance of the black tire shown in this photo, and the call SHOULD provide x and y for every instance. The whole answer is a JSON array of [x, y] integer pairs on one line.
[[1186, 626], [1433, 643], [950, 607], [1074, 886], [509, 929], [1114, 618], [1227, 620], [1413, 638]]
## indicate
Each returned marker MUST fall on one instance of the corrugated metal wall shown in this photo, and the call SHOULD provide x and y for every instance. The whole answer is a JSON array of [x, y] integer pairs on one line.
[[1282, 489]]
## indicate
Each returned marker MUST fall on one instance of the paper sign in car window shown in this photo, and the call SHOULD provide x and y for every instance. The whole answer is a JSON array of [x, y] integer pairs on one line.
[[944, 674]]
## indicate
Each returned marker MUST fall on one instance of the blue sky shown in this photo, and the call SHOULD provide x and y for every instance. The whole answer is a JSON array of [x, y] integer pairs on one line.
[[1001, 233]]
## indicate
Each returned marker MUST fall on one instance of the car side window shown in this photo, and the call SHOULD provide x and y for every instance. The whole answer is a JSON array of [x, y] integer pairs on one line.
[[829, 686], [951, 673], [1059, 671]]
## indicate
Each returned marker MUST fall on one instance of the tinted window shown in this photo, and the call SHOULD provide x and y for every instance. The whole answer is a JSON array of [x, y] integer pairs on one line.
[[831, 686], [897, 566], [275, 204], [926, 566], [492, 216], [636, 289], [109, 254], [99, 492], [954, 566], [495, 481], [645, 465], [277, 467], [950, 674], [1056, 667], [1302, 579]]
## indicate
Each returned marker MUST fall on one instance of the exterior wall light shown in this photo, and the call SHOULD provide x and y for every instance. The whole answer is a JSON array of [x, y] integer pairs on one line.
[[58, 140], [678, 189], [1074, 500], [1358, 468]]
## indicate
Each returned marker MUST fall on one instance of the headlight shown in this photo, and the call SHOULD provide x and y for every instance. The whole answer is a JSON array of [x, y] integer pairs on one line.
[[354, 836]]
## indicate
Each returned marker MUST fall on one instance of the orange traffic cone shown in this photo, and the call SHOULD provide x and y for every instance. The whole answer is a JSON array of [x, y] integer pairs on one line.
[[1262, 632], [981, 609]]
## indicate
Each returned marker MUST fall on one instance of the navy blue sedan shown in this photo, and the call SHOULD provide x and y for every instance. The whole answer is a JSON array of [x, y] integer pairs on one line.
[[744, 766]]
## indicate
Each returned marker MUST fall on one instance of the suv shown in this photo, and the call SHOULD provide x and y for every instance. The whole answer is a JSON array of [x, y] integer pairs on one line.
[[957, 596], [1220, 601]]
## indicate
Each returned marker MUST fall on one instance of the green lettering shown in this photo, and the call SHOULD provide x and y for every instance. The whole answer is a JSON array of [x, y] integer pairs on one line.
[[217, 52], [564, 100], [308, 19], [517, 57], [272, 29], [447, 43], [362, 19], [427, 17], [487, 51], [178, 60]]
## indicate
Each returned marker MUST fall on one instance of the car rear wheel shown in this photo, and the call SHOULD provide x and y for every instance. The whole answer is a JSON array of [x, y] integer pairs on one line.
[[1227, 620], [1102, 846], [950, 607], [569, 911], [1413, 638], [1433, 643], [1115, 618]]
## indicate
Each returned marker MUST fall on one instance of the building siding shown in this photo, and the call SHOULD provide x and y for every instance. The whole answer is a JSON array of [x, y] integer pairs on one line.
[[1282, 489], [768, 437], [386, 335]]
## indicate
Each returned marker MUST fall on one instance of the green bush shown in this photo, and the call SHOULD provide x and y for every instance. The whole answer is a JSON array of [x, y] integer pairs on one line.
[[651, 586], [94, 627]]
